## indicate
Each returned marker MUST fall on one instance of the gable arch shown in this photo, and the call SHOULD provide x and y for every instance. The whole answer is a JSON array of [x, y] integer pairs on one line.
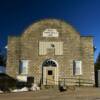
[[36, 29]]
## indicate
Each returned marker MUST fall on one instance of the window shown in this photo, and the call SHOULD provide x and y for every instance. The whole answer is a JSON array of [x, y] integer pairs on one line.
[[77, 68], [23, 67], [50, 72], [49, 62]]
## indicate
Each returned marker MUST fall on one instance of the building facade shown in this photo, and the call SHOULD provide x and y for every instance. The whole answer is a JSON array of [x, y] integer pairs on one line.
[[51, 51]]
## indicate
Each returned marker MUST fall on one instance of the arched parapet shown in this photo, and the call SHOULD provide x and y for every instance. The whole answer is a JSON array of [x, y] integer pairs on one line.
[[63, 28]]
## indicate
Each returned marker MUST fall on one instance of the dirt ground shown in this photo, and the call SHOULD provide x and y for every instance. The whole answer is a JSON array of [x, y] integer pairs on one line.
[[77, 94]]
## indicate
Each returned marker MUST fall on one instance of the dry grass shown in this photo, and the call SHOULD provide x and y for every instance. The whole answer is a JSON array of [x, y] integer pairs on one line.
[[78, 94]]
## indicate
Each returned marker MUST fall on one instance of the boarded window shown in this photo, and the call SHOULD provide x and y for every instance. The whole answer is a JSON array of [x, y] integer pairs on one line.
[[23, 68], [56, 46], [77, 68]]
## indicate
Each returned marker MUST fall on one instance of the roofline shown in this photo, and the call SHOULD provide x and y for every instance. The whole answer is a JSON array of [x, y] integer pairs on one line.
[[87, 36]]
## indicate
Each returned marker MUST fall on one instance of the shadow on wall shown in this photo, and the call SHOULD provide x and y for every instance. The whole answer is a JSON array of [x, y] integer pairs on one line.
[[2, 69], [6, 82], [97, 78], [21, 84]]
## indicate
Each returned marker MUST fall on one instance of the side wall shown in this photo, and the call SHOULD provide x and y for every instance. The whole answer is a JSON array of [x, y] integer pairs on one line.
[[87, 56], [13, 55]]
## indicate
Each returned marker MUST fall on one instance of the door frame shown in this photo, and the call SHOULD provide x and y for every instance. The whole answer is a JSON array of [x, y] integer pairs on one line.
[[45, 68]]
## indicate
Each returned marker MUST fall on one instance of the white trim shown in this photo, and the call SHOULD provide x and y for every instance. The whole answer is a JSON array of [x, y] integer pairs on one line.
[[55, 76], [44, 76]]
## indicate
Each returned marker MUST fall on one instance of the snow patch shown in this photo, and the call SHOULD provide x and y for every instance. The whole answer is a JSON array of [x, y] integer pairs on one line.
[[1, 91], [35, 87], [24, 89]]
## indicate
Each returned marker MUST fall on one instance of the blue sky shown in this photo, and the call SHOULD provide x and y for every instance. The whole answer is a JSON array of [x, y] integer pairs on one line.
[[16, 15]]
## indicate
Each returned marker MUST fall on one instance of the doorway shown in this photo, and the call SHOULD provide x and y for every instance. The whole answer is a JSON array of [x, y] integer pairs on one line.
[[50, 72]]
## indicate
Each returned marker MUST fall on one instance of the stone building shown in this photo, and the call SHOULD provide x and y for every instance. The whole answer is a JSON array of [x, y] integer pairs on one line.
[[51, 51]]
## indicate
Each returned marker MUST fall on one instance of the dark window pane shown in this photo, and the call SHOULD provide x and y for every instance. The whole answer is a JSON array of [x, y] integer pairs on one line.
[[49, 63], [50, 72]]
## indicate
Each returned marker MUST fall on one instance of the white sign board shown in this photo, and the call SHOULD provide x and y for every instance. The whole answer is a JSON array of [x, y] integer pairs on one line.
[[50, 33], [22, 78]]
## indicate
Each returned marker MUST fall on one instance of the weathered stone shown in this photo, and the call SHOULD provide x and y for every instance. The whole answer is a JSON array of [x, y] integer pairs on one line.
[[75, 47]]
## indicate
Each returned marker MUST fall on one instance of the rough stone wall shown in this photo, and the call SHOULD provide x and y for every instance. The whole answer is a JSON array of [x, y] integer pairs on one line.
[[74, 48], [13, 56], [71, 47], [87, 55]]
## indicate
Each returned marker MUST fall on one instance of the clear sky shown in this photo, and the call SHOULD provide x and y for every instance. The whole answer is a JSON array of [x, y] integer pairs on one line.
[[16, 15]]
